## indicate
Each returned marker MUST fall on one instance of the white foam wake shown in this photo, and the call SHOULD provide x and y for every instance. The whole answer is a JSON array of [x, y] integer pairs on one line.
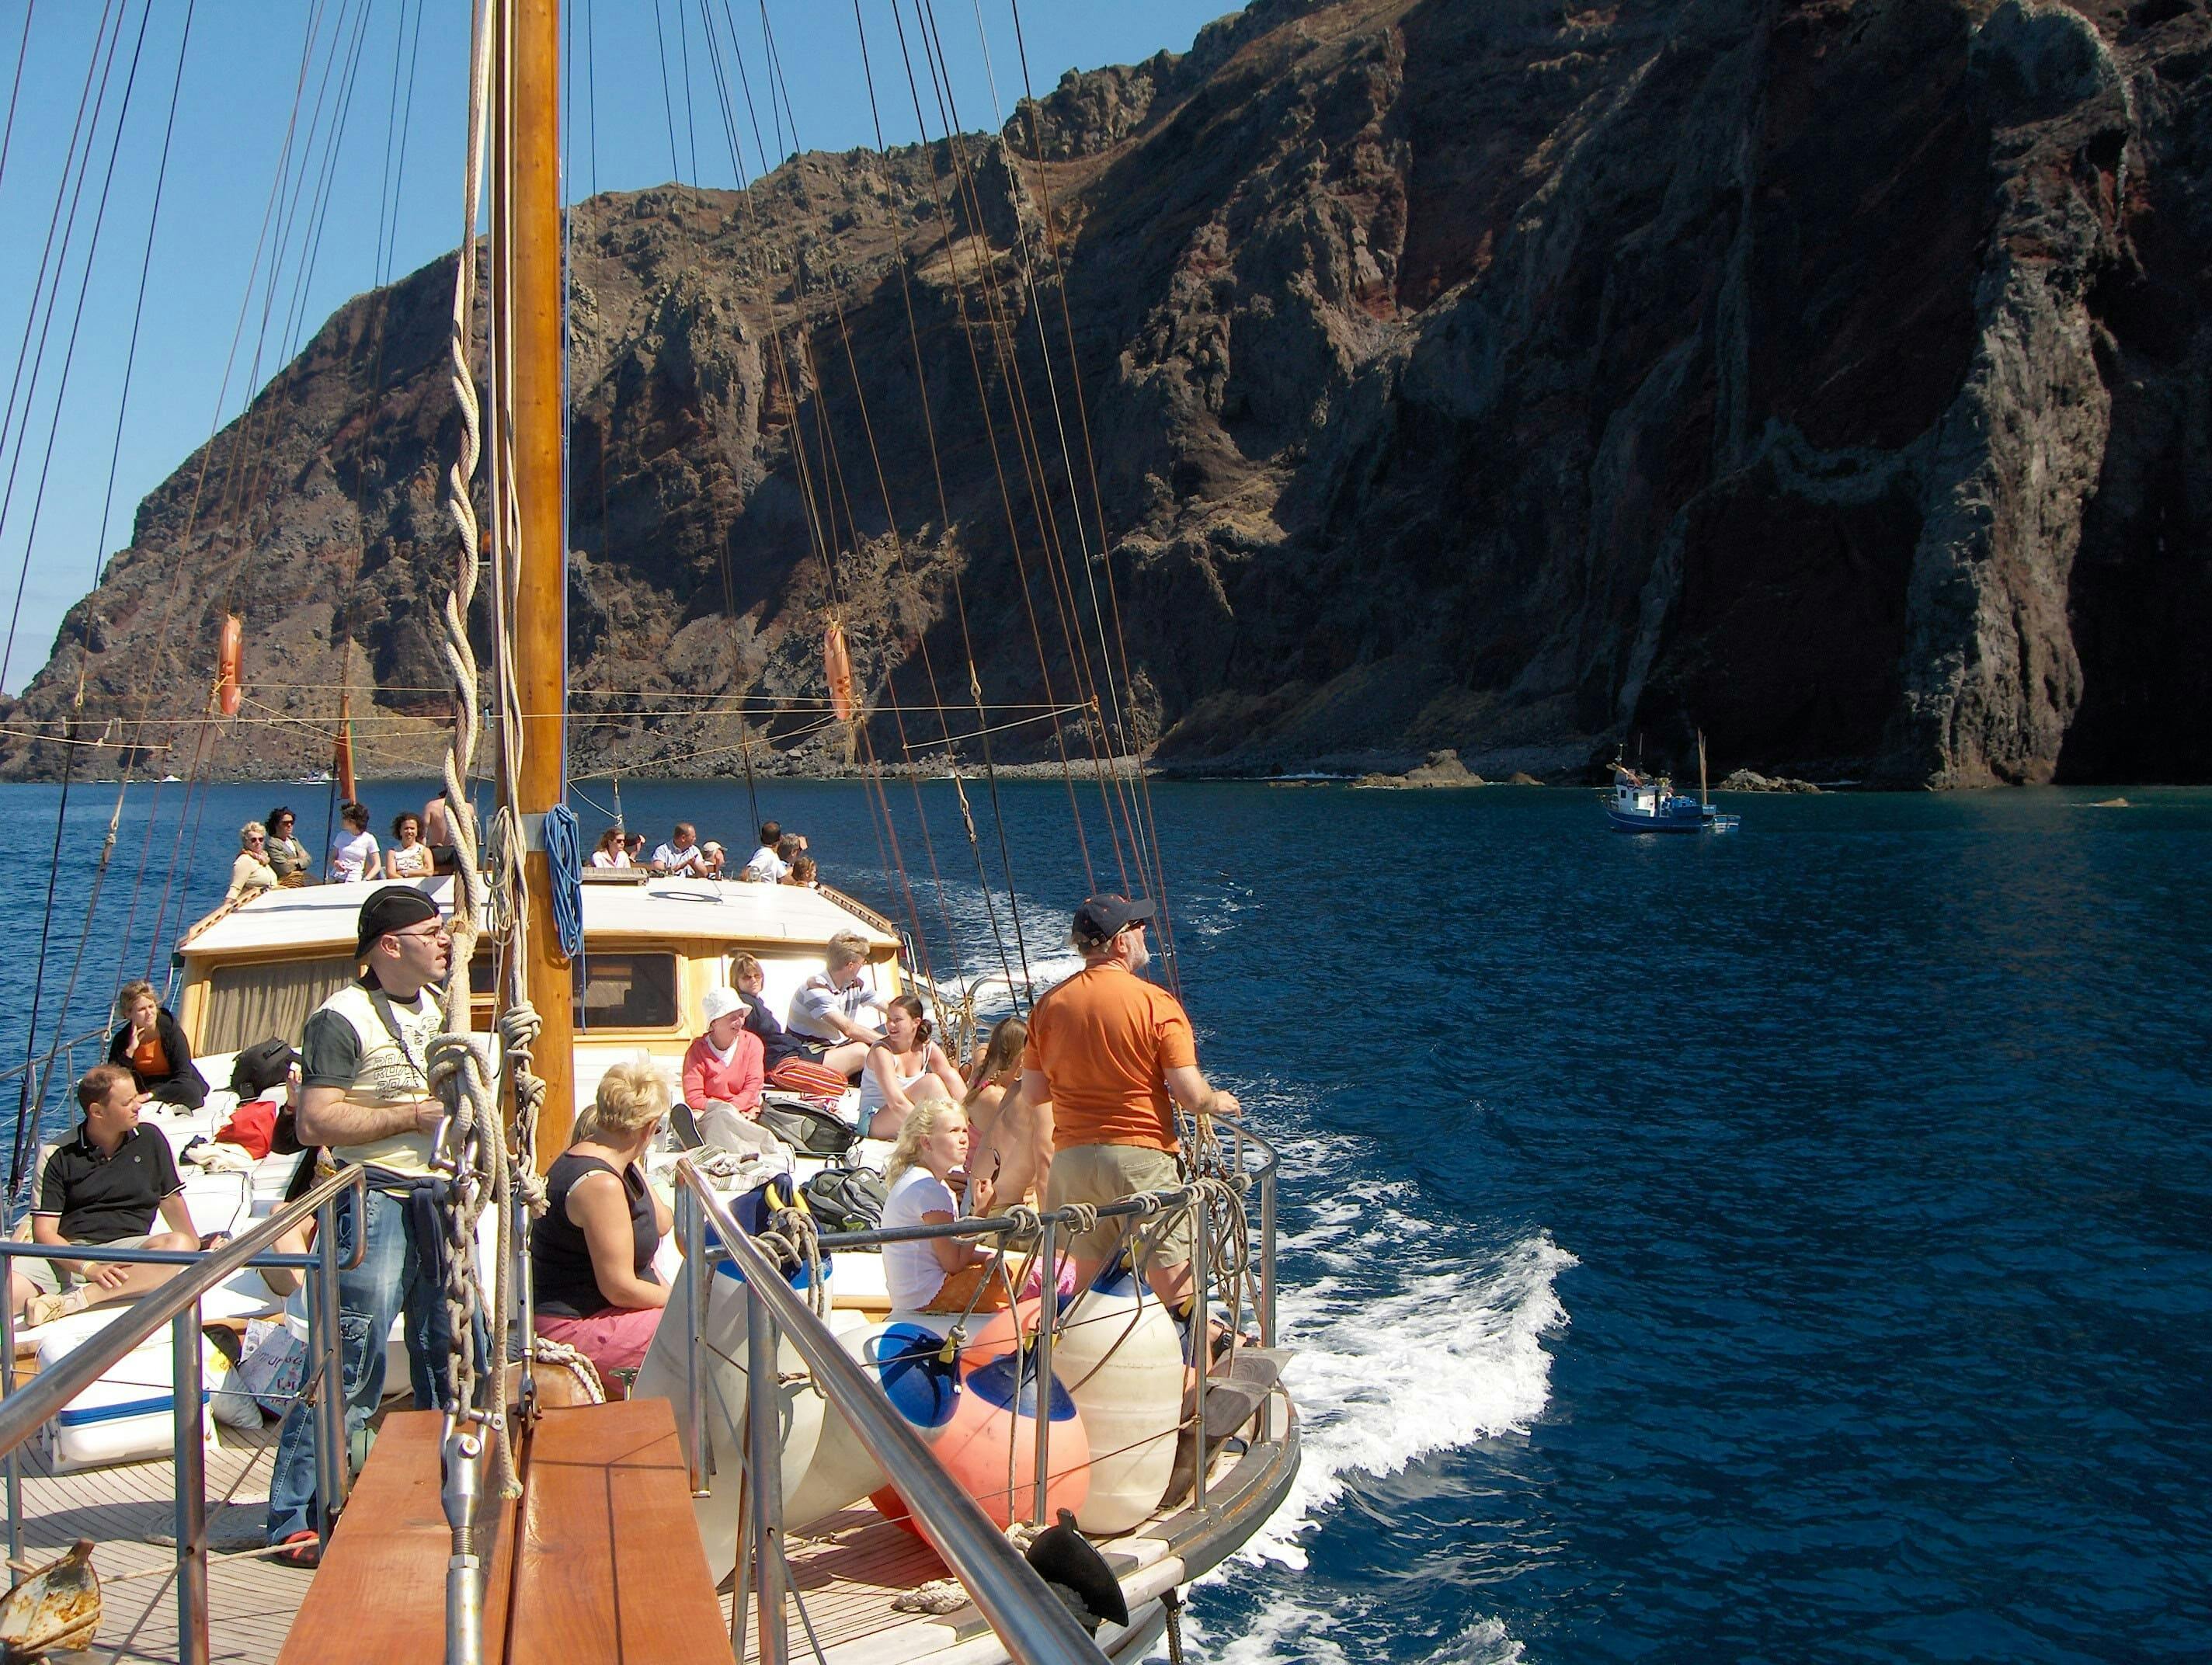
[[1447, 1351], [1409, 1341]]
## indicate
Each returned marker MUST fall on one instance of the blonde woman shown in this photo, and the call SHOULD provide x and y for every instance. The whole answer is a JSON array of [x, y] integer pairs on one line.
[[151, 1045], [591, 1250], [250, 874], [937, 1274], [905, 1058]]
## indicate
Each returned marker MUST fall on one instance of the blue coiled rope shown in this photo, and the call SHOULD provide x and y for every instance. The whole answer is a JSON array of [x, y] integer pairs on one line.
[[564, 864]]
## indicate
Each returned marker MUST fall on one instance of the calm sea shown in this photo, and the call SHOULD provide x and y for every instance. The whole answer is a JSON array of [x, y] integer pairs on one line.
[[1789, 1247]]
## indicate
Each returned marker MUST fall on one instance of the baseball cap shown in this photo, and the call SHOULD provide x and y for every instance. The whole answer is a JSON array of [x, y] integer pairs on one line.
[[1103, 917], [392, 909]]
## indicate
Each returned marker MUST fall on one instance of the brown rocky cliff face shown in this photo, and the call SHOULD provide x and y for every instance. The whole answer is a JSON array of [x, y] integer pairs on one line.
[[1514, 378]]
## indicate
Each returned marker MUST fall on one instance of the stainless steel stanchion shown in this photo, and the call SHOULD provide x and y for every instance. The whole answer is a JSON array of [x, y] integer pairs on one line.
[[1267, 1257], [696, 1273], [15, 1461], [763, 1403], [1201, 1343], [327, 1346], [1047, 1311], [190, 1455]]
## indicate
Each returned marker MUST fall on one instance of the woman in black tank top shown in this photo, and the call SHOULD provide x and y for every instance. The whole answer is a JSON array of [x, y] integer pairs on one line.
[[592, 1251]]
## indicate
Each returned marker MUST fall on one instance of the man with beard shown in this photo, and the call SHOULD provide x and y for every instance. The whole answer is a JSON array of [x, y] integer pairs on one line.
[[366, 1097], [1109, 1053]]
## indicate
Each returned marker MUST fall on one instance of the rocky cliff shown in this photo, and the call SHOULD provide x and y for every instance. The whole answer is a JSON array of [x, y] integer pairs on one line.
[[1519, 378]]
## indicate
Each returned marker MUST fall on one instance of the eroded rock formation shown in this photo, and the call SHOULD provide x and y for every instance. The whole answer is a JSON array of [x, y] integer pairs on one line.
[[1519, 378]]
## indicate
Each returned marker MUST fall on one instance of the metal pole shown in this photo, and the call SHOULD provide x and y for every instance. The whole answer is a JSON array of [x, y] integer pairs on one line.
[[696, 1273], [763, 1418], [1035, 1628], [1048, 1309], [1266, 1313], [190, 1455], [323, 1336], [15, 1463], [1202, 1344], [742, 1573], [1267, 1255]]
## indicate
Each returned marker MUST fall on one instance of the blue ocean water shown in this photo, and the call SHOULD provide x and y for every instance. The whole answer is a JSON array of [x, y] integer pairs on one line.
[[1789, 1247]]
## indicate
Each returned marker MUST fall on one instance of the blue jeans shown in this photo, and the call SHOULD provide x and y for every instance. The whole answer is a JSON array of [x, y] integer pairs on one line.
[[392, 1277]]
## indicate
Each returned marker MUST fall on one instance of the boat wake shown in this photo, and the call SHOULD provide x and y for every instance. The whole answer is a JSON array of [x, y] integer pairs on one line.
[[1403, 1350]]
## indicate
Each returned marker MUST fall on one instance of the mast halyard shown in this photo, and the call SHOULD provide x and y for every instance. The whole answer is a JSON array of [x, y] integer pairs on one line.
[[526, 272]]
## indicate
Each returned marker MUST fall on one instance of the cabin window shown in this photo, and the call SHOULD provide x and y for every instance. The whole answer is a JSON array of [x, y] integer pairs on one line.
[[614, 990], [625, 991], [261, 1002]]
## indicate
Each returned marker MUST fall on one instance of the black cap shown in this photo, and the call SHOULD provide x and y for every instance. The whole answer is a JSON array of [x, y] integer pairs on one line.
[[394, 908], [1102, 918]]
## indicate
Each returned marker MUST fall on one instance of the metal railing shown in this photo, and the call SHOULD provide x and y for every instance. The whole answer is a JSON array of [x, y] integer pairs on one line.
[[954, 1523], [1030, 1620], [177, 1303]]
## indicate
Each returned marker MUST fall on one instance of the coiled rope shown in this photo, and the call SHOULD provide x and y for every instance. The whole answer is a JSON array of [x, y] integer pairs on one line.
[[564, 863]]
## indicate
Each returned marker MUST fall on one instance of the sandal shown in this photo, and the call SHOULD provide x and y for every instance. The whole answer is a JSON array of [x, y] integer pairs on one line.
[[303, 1549]]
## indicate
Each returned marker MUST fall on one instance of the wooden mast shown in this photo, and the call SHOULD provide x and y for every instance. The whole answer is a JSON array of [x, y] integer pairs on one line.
[[1705, 798], [540, 624]]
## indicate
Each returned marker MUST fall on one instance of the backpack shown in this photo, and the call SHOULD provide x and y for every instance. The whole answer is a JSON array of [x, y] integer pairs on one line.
[[262, 1066], [846, 1199], [808, 1130]]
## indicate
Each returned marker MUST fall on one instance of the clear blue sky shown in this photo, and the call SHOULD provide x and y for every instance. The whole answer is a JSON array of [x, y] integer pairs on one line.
[[233, 104]]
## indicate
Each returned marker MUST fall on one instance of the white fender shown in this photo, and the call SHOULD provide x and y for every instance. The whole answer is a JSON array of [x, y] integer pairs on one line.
[[1120, 1357]]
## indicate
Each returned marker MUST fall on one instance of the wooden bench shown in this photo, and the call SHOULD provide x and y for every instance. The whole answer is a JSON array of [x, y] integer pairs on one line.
[[392, 1540], [611, 1567], [603, 1562]]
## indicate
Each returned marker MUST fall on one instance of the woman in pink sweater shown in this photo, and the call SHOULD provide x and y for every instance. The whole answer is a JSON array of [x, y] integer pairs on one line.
[[724, 1065]]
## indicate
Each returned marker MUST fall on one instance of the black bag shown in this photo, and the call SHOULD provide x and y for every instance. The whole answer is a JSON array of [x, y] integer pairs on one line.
[[262, 1067], [808, 1130], [846, 1199]]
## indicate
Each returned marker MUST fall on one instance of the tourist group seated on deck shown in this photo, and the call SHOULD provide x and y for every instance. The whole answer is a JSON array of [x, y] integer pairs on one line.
[[270, 856]]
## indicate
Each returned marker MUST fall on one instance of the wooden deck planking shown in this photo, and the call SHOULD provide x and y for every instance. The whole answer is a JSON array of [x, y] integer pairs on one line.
[[610, 1566], [848, 1572], [129, 1510]]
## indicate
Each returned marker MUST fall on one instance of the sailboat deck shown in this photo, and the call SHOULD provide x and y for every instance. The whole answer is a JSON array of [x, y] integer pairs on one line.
[[845, 1573], [129, 1510]]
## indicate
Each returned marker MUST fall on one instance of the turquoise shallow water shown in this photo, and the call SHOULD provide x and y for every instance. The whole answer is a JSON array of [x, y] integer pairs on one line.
[[1789, 1247]]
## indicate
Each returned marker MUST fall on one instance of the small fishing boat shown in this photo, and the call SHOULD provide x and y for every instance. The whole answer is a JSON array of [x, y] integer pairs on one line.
[[1649, 804]]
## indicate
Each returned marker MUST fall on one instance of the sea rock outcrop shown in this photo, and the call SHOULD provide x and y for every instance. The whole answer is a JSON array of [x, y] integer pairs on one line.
[[1442, 768], [1744, 779], [1379, 377]]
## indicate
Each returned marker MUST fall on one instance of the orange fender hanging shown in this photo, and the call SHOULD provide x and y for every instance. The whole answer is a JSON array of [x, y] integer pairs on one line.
[[230, 657], [839, 664]]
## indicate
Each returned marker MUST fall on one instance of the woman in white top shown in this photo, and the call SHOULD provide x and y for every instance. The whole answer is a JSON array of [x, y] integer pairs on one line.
[[250, 874], [937, 1274], [611, 852], [353, 852], [411, 857], [897, 1065]]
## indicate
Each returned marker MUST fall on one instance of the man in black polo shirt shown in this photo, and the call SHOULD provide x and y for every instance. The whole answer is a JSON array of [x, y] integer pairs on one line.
[[104, 1187]]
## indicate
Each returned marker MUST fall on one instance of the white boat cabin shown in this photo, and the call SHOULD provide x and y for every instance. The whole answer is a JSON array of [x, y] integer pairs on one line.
[[651, 951]]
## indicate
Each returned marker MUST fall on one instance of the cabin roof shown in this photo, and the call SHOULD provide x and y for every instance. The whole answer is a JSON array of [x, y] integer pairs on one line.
[[323, 916]]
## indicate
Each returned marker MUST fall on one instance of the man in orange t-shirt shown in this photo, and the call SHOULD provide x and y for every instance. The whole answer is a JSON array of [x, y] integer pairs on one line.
[[1110, 1051]]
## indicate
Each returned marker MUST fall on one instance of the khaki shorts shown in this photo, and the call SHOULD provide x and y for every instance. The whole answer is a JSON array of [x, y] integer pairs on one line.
[[53, 1279], [1100, 1174]]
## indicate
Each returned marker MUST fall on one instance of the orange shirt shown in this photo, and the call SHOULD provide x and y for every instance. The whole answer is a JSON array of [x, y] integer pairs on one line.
[[150, 1059], [1103, 1039]]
